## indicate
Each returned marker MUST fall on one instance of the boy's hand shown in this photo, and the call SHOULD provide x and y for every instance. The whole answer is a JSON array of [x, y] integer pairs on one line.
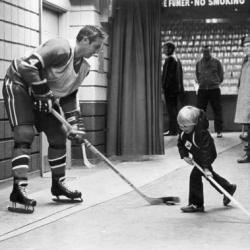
[[208, 173], [188, 160]]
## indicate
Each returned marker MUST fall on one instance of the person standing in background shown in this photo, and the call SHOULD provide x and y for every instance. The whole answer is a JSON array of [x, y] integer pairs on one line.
[[242, 114], [209, 75], [172, 84]]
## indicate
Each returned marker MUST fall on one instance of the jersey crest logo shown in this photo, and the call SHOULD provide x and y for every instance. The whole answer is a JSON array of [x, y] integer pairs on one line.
[[33, 61], [188, 145]]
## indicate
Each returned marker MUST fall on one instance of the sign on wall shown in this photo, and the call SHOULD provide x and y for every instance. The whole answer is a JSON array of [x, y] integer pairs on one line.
[[201, 3]]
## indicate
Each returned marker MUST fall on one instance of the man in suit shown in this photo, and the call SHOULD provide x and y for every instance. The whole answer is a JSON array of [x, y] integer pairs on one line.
[[172, 84]]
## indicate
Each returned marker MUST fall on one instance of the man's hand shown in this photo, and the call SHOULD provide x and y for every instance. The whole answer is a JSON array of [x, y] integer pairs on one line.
[[43, 96], [44, 103], [188, 160], [76, 136], [208, 173]]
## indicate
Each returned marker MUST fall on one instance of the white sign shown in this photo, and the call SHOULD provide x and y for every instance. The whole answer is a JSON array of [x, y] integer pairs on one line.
[[201, 3]]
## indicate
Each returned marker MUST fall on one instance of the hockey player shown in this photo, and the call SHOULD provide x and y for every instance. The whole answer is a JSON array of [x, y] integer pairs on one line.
[[196, 140], [48, 77]]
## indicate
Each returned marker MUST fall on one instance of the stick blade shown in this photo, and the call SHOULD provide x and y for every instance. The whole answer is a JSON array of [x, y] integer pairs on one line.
[[168, 200], [171, 200]]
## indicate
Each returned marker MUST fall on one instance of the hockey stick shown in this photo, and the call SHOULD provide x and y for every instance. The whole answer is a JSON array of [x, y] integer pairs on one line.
[[152, 201], [229, 196], [86, 162]]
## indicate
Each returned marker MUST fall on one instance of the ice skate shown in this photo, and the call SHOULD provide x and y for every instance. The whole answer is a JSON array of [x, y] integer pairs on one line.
[[19, 196], [59, 188]]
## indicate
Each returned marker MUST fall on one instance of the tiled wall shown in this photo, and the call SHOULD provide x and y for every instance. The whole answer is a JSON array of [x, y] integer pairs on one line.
[[19, 32]]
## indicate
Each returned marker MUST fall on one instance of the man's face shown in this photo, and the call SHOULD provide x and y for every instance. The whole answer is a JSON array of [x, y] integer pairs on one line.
[[246, 49], [168, 50], [206, 53], [87, 49]]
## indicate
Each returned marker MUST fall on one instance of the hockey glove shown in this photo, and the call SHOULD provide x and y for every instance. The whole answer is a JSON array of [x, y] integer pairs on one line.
[[77, 134], [43, 96]]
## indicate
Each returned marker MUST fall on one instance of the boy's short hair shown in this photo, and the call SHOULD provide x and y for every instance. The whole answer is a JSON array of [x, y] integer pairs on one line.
[[90, 31], [188, 115]]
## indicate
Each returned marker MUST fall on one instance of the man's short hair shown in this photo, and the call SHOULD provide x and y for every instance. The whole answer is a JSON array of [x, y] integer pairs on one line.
[[206, 47], [169, 44], [91, 32]]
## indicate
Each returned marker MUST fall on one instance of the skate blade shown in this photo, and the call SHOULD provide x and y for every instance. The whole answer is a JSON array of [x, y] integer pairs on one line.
[[67, 201], [21, 210]]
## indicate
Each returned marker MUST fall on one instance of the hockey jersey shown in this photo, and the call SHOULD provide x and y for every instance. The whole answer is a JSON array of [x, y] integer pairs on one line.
[[57, 59]]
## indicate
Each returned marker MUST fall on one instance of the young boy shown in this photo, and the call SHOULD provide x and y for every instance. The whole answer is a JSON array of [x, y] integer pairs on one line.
[[196, 140]]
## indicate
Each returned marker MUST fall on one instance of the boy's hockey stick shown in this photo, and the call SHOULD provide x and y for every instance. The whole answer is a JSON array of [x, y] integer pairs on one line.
[[229, 196], [169, 200]]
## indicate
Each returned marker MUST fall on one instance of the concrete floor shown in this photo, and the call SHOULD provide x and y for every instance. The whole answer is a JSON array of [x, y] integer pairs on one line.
[[114, 217]]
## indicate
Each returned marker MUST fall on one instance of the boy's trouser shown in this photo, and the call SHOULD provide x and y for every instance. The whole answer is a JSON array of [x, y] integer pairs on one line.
[[196, 186]]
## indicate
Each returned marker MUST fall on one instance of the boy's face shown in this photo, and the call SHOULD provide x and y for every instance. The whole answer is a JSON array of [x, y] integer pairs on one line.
[[187, 129]]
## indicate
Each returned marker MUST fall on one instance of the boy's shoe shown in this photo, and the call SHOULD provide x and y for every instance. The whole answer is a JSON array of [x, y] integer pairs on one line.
[[192, 209], [219, 135], [244, 137], [232, 190], [244, 159]]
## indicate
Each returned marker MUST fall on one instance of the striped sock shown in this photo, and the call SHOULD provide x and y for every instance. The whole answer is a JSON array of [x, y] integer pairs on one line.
[[58, 166], [20, 167]]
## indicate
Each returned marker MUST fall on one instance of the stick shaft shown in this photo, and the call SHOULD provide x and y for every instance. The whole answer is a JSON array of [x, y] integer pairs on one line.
[[229, 196], [104, 158], [97, 152]]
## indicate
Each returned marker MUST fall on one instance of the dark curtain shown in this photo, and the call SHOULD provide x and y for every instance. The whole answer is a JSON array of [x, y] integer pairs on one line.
[[134, 119]]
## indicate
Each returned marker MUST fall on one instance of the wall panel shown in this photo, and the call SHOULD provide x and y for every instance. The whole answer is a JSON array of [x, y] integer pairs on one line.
[[19, 33], [93, 91]]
